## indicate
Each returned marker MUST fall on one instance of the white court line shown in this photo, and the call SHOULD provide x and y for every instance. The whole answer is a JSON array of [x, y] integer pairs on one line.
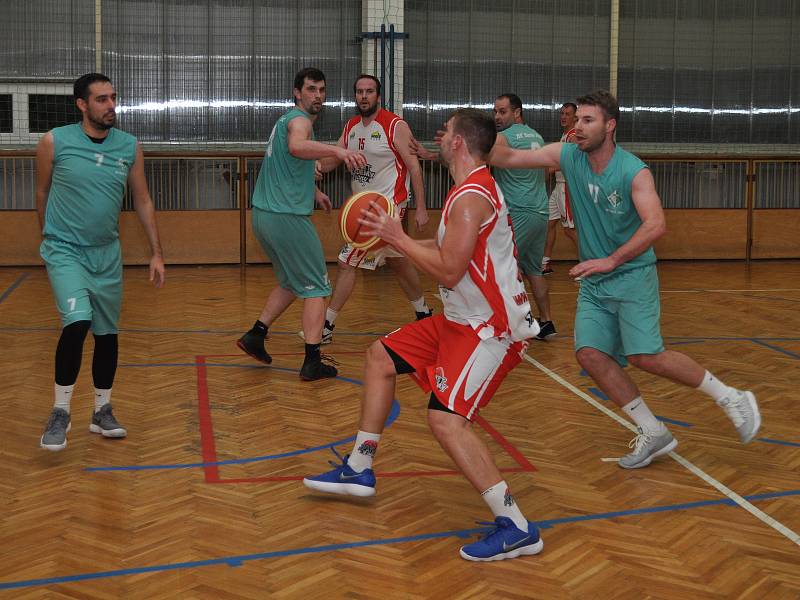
[[729, 493]]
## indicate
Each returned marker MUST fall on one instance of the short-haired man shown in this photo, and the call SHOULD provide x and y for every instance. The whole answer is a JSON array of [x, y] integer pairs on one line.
[[81, 173], [559, 198], [393, 170], [282, 205], [526, 197], [461, 356], [618, 217]]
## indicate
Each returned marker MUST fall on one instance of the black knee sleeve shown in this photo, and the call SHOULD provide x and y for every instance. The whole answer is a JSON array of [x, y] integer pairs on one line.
[[69, 352], [104, 361]]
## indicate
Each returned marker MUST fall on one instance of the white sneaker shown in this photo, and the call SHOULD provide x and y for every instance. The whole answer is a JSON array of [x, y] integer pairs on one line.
[[647, 446], [742, 408], [327, 333]]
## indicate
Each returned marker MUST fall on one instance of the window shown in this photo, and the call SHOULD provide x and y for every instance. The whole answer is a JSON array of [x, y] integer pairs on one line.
[[46, 111]]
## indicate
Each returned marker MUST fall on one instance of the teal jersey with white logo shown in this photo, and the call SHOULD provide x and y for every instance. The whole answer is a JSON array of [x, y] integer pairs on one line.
[[523, 189], [285, 183], [87, 185], [602, 205]]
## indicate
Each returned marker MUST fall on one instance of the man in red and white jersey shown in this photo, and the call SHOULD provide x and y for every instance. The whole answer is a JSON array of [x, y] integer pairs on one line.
[[559, 198], [463, 355], [393, 170]]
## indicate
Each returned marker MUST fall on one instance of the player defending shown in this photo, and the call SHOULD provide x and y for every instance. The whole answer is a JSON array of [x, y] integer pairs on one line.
[[462, 356], [526, 197], [282, 204], [384, 138], [559, 198], [618, 216], [81, 173]]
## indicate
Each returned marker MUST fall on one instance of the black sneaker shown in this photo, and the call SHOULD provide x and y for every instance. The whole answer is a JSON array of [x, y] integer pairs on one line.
[[327, 333], [253, 344], [546, 330], [423, 315], [319, 369], [547, 269]]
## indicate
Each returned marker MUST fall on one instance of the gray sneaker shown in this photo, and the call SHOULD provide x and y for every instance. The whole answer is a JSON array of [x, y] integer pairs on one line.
[[646, 447], [55, 432], [742, 408], [104, 423]]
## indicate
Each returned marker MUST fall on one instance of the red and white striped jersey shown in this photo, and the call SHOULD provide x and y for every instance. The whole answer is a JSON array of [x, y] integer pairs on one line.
[[491, 295], [564, 138], [385, 171]]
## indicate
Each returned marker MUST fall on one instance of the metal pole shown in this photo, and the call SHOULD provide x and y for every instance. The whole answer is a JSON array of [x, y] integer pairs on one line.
[[613, 58], [391, 67], [383, 57], [98, 36]]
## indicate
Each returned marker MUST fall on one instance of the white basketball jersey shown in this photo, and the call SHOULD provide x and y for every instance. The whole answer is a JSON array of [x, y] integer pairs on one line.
[[385, 171], [491, 295], [564, 138]]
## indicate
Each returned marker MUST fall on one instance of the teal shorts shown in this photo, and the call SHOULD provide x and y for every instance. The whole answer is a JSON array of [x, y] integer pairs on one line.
[[86, 282], [530, 235], [293, 246], [620, 315]]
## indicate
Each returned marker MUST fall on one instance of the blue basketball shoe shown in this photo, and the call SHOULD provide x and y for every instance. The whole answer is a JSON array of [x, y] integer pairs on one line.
[[343, 480], [503, 541]]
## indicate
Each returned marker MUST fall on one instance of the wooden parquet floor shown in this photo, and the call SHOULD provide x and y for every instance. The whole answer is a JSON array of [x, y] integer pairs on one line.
[[204, 499]]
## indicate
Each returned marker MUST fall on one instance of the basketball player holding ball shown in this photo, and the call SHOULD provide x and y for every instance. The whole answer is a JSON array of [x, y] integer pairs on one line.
[[392, 170]]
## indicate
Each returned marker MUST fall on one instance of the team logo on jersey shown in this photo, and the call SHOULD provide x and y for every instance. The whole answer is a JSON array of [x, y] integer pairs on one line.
[[363, 175], [352, 135], [614, 199], [376, 135], [368, 448], [441, 380]]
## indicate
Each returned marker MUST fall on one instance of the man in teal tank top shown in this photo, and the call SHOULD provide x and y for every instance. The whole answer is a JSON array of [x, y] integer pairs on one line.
[[283, 201], [618, 216], [526, 197], [81, 174]]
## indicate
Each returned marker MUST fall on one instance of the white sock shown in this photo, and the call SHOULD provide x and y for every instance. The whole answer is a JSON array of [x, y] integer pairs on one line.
[[637, 410], [101, 398], [420, 305], [502, 504], [330, 315], [714, 387], [63, 395], [364, 449], [545, 260]]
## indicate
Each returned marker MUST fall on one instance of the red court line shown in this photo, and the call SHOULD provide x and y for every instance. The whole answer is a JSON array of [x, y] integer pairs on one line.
[[208, 445]]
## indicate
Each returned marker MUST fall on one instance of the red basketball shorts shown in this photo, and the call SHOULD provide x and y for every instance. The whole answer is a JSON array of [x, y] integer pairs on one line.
[[450, 360]]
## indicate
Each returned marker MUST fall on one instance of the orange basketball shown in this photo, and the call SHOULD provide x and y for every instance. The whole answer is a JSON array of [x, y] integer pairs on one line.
[[351, 212]]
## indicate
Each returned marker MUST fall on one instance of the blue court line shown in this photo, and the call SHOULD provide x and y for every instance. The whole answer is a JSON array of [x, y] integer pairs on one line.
[[683, 343], [674, 422], [393, 414], [14, 286], [760, 342], [238, 560], [779, 442], [602, 396]]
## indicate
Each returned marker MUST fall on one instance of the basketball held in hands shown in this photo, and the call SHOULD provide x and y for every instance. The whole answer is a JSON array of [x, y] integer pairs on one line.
[[352, 230]]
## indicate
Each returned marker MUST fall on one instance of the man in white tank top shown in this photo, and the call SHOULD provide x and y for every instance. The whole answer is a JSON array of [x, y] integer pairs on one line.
[[461, 356], [559, 198], [394, 171]]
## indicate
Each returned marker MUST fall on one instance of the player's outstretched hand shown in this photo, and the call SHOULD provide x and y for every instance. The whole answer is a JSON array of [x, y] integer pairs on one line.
[[421, 151], [377, 222], [352, 159], [322, 200], [590, 267], [157, 271]]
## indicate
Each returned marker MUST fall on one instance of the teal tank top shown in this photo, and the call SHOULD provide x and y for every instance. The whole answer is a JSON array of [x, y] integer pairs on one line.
[[523, 189], [87, 185], [602, 205], [285, 183]]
